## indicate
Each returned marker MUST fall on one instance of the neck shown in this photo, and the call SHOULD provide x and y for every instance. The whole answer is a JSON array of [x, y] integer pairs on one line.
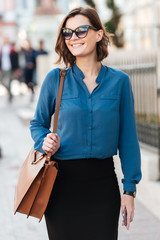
[[89, 67]]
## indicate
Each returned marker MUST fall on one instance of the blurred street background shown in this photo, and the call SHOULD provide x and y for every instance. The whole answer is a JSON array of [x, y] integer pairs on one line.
[[28, 31]]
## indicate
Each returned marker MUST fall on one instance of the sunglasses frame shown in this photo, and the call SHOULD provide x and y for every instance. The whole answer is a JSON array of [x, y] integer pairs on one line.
[[74, 31]]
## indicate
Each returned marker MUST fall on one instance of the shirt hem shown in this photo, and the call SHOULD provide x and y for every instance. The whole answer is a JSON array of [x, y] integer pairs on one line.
[[72, 157]]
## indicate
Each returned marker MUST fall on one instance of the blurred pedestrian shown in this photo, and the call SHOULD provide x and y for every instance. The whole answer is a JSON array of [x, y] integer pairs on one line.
[[30, 58], [39, 51], [22, 63], [14, 61], [96, 119], [8, 64]]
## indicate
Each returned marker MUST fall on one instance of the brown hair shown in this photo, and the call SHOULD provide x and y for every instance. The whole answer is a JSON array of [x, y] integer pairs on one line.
[[102, 46]]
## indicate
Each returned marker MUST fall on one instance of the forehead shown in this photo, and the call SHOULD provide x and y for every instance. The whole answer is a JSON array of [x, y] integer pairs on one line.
[[77, 21]]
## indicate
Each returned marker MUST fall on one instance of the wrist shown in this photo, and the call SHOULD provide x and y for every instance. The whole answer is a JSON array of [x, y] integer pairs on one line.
[[130, 193]]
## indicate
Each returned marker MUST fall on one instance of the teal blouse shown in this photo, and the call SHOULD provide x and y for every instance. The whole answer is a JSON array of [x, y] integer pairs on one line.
[[95, 125]]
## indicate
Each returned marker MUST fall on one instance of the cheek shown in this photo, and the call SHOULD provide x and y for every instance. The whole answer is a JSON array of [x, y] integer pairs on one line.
[[68, 46], [91, 45], [91, 41]]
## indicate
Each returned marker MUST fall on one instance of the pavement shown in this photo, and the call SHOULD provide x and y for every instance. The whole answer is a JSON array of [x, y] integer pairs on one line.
[[15, 143]]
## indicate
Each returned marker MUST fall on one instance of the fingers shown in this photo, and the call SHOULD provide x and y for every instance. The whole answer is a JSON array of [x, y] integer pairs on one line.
[[130, 215], [128, 220], [51, 143], [128, 203], [48, 148], [53, 136]]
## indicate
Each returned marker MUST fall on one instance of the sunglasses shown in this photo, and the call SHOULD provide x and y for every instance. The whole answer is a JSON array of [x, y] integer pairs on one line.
[[81, 31]]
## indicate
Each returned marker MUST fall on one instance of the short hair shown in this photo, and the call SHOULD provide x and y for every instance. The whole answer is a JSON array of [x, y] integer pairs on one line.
[[102, 46]]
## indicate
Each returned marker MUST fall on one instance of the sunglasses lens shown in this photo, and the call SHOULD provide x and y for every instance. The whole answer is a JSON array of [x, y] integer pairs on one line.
[[81, 32], [67, 33]]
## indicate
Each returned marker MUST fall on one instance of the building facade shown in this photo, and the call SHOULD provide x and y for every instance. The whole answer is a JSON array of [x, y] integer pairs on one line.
[[141, 23], [21, 19], [38, 19], [8, 25], [102, 10]]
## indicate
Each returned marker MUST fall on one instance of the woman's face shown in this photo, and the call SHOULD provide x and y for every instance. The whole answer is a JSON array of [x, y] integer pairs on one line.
[[85, 46]]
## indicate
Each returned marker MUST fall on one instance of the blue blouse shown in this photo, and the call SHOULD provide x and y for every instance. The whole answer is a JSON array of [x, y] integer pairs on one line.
[[92, 125]]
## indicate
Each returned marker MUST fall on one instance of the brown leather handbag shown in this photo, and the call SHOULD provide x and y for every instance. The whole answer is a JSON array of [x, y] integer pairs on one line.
[[37, 176]]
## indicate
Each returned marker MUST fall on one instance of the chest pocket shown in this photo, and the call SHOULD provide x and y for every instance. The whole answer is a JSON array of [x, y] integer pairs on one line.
[[110, 102], [69, 108], [108, 96], [69, 93], [65, 97], [68, 101]]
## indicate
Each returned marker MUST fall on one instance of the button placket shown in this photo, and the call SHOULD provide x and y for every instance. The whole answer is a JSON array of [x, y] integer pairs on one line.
[[90, 123]]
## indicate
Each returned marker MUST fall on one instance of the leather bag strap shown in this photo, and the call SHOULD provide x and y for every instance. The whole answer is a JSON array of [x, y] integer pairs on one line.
[[62, 76]]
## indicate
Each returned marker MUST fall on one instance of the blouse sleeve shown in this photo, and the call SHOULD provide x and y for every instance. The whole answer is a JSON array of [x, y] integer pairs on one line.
[[129, 150], [40, 124]]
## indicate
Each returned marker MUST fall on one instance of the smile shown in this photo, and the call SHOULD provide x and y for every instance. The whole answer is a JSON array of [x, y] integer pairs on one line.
[[76, 45]]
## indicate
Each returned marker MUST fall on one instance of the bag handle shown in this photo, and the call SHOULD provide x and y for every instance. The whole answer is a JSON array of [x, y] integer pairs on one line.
[[62, 76]]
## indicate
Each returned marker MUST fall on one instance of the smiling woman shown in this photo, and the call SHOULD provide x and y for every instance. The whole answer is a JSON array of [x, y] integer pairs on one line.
[[77, 18], [96, 119], [86, 44]]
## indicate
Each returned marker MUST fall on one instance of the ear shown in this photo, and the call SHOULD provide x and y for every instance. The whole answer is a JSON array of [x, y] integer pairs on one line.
[[99, 35]]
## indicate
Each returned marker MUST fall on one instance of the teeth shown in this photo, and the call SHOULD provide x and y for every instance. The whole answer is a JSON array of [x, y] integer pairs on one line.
[[76, 45]]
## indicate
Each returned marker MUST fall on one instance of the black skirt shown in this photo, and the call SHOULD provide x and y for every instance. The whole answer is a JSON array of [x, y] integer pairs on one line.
[[85, 201]]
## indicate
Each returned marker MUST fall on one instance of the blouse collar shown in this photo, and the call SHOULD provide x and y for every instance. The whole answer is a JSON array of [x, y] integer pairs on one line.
[[79, 74]]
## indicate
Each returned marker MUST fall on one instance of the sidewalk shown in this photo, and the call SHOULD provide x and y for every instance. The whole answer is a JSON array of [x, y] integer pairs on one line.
[[15, 142]]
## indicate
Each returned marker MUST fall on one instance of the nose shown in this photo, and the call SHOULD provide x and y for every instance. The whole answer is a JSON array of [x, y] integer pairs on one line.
[[74, 36]]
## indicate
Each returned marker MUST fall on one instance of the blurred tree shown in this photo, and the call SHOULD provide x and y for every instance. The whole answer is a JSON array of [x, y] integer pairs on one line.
[[91, 3], [112, 25]]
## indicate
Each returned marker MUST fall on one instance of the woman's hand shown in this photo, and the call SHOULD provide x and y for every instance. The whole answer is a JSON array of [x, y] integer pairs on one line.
[[51, 143], [128, 202]]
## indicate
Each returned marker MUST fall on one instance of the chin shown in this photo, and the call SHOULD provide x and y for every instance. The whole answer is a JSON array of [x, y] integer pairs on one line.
[[81, 53], [78, 53]]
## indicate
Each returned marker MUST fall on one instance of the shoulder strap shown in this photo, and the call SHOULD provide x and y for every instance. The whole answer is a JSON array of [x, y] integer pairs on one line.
[[62, 75]]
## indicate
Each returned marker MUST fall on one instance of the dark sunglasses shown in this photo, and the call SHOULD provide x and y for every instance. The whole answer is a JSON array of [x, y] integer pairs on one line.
[[81, 31]]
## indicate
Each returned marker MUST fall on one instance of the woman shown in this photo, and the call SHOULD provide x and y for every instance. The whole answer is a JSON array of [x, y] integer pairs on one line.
[[30, 66], [96, 118]]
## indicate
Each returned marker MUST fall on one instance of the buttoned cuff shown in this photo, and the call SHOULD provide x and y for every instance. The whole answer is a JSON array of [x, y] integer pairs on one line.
[[129, 187]]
